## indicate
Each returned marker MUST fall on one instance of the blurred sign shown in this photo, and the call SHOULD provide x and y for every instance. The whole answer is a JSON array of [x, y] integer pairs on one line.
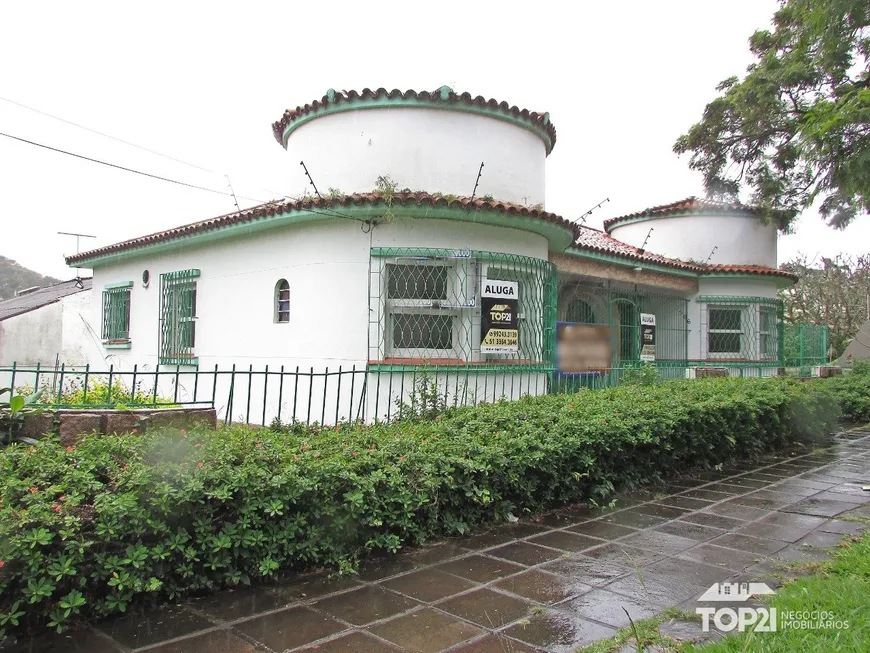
[[499, 331], [647, 337], [582, 348]]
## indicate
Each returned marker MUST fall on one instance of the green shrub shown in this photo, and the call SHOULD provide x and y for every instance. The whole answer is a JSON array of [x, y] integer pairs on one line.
[[86, 532], [98, 393], [852, 392]]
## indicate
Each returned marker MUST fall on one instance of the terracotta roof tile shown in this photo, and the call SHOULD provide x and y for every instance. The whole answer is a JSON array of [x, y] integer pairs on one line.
[[441, 96], [597, 241], [329, 207], [688, 205]]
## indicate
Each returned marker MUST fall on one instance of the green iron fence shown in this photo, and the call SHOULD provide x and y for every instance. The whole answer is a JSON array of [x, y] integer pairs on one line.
[[805, 346], [307, 395]]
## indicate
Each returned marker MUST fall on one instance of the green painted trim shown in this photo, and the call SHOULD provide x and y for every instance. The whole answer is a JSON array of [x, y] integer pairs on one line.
[[559, 237], [413, 103], [459, 254], [120, 284], [179, 362], [117, 345], [626, 262], [683, 214], [181, 274], [781, 281], [734, 299]]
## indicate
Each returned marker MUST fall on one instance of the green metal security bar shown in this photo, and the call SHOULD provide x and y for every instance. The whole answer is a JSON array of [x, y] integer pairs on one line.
[[425, 308], [116, 313], [741, 331], [618, 307], [177, 329]]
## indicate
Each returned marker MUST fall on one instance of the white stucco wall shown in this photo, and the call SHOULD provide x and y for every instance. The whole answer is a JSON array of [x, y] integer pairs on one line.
[[32, 337], [327, 267], [420, 149], [740, 240], [80, 341]]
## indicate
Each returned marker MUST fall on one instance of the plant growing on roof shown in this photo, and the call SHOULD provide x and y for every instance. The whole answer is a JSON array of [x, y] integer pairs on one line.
[[334, 193], [386, 188]]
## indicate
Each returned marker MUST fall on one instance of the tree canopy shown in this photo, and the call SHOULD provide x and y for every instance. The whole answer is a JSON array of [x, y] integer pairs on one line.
[[832, 291], [796, 128]]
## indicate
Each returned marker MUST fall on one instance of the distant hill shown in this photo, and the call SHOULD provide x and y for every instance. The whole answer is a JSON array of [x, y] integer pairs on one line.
[[14, 277]]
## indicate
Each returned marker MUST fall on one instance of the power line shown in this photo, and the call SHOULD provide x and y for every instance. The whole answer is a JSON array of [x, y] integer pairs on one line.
[[113, 165], [171, 181], [104, 135], [121, 140]]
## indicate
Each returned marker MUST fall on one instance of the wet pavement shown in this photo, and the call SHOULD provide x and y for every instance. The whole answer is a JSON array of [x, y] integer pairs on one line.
[[552, 583]]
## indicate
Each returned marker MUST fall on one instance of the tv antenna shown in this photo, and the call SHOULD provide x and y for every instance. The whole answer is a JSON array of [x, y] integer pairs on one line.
[[78, 238]]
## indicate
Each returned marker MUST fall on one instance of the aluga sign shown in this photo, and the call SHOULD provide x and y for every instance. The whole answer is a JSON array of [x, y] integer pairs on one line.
[[499, 331]]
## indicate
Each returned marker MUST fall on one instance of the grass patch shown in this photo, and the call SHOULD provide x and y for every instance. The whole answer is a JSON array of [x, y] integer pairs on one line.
[[643, 634]]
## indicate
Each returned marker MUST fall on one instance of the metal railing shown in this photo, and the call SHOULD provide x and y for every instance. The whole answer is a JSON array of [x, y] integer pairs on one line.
[[327, 396]]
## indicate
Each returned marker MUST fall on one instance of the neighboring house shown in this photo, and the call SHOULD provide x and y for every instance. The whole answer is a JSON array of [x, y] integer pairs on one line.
[[49, 326], [858, 347], [391, 280]]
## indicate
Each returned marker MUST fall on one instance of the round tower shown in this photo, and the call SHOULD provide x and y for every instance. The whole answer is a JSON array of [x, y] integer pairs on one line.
[[693, 229], [354, 142]]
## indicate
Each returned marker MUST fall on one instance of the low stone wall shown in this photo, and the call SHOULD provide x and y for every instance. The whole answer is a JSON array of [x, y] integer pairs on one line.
[[71, 425]]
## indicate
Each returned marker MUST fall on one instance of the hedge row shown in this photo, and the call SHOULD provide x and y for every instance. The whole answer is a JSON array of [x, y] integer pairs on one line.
[[86, 532], [853, 392]]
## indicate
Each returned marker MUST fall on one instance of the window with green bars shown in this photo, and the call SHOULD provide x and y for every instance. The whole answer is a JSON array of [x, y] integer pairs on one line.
[[741, 328], [116, 313], [178, 317], [425, 304]]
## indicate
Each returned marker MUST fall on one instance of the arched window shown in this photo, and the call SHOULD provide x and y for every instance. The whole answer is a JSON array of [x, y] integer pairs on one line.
[[580, 311], [282, 301]]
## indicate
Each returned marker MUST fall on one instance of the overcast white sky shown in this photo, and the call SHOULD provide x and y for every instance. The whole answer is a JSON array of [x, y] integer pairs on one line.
[[203, 83]]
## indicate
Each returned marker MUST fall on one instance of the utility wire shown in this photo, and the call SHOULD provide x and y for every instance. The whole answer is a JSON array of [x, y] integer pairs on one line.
[[138, 172], [104, 135], [121, 140]]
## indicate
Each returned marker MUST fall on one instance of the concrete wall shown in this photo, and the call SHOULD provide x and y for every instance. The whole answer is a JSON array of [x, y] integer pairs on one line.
[[32, 337], [80, 332], [741, 240], [61, 331], [420, 149]]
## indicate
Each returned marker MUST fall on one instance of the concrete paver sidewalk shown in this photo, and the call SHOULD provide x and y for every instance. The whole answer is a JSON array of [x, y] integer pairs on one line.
[[551, 584]]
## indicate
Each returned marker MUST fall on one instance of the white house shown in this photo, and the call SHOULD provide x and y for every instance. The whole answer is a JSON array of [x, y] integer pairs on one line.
[[384, 268], [49, 326]]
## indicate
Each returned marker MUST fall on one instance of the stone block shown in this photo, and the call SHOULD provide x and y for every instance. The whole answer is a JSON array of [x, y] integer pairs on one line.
[[120, 422], [703, 372], [75, 424], [37, 425], [183, 418]]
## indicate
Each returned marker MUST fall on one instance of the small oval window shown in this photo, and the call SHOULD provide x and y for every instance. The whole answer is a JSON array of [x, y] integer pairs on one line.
[[282, 301]]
